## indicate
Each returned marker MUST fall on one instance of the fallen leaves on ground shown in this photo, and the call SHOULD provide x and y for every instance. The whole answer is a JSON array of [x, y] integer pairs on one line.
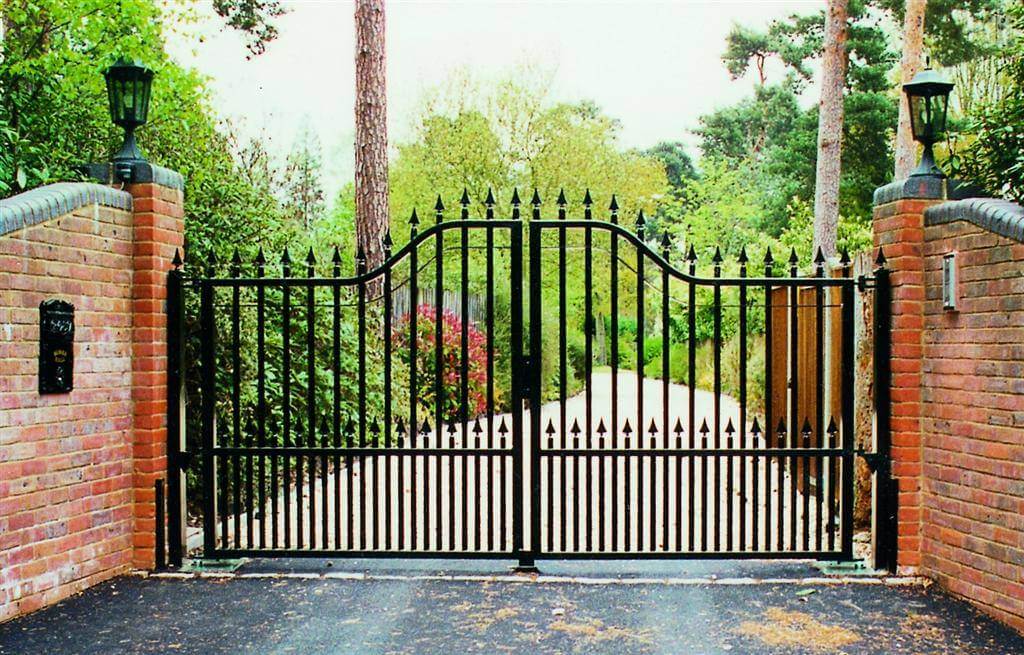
[[790, 629], [596, 630]]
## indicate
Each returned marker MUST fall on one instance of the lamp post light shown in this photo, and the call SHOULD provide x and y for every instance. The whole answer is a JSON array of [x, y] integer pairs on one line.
[[128, 89], [928, 97]]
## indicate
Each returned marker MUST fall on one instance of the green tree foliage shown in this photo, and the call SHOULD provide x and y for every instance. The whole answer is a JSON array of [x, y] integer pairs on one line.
[[995, 158], [773, 133]]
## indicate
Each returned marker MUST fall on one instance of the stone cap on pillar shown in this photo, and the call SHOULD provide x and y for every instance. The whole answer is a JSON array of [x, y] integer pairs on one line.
[[142, 173], [924, 187]]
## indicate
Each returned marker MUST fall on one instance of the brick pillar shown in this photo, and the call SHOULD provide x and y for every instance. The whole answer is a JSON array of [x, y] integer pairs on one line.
[[158, 229], [899, 231]]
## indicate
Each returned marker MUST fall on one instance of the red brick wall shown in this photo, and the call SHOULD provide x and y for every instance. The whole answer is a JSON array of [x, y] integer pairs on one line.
[[899, 231], [972, 393], [77, 469]]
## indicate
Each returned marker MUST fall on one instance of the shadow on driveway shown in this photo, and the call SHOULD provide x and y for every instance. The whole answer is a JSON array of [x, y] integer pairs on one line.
[[417, 615]]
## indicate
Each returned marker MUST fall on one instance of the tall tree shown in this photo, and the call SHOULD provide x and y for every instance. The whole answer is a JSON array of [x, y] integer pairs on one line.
[[253, 18], [910, 63], [371, 147], [830, 128]]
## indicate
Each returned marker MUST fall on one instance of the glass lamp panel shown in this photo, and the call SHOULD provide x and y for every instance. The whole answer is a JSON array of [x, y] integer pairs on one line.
[[941, 105], [917, 117]]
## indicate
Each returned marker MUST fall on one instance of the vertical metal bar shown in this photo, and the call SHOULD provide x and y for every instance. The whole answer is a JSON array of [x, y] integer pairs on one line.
[[525, 554], [885, 515], [563, 368], [794, 398], [614, 330], [209, 415], [588, 358], [489, 497], [691, 381], [464, 379], [743, 401], [175, 413], [261, 402], [311, 392], [819, 432], [665, 352], [388, 460], [640, 306], [336, 395], [160, 537], [717, 364], [361, 381], [768, 415], [236, 414], [438, 373], [286, 395], [414, 425]]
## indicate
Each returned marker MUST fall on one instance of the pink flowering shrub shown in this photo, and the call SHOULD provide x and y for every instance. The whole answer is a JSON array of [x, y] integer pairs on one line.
[[451, 361]]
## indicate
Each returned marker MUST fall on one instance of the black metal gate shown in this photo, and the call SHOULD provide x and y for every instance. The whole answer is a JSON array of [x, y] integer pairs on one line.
[[370, 415]]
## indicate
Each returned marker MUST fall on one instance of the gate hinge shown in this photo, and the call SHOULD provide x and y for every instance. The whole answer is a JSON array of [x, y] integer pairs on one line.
[[865, 282], [873, 460]]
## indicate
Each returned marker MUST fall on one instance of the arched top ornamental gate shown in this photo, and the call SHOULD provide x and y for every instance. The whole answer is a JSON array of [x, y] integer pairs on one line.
[[604, 397]]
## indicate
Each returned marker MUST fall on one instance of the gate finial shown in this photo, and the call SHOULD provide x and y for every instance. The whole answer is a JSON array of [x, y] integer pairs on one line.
[[880, 259], [438, 210], [414, 220], [176, 262]]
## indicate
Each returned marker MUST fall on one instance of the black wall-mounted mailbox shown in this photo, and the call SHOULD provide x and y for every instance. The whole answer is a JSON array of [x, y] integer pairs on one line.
[[56, 346]]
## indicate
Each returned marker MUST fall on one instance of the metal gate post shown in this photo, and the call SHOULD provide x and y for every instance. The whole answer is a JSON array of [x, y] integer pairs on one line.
[[208, 336], [522, 389], [176, 480], [884, 517]]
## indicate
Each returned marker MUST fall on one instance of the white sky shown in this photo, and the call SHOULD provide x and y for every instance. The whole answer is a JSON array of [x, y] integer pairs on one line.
[[653, 65]]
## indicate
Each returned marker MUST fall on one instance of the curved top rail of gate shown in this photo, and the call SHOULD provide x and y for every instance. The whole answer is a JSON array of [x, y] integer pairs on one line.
[[363, 278], [644, 248], [614, 228]]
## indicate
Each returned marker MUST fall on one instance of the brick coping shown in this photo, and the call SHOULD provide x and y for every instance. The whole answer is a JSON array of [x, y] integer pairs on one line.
[[1003, 217], [47, 202]]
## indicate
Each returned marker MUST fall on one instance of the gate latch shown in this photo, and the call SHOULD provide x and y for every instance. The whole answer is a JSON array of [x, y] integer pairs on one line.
[[873, 460]]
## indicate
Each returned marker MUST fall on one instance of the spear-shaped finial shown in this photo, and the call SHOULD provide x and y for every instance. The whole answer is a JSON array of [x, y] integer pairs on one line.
[[880, 259], [489, 202], [716, 259], [286, 261], [691, 256], [176, 261], [768, 259], [755, 429], [665, 243], [361, 259], [743, 257], [438, 210], [535, 201], [414, 221], [464, 201], [587, 200], [310, 259], [641, 224], [793, 258], [515, 197], [261, 259], [561, 198], [819, 258], [387, 243], [844, 257]]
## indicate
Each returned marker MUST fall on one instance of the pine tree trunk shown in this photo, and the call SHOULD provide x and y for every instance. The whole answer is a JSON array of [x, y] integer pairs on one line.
[[910, 64], [830, 128], [371, 147]]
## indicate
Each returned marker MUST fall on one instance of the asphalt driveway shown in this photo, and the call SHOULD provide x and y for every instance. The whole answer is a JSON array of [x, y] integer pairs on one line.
[[417, 611]]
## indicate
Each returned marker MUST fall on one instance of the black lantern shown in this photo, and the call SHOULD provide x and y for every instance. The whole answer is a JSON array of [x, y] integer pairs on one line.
[[928, 97], [128, 87]]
